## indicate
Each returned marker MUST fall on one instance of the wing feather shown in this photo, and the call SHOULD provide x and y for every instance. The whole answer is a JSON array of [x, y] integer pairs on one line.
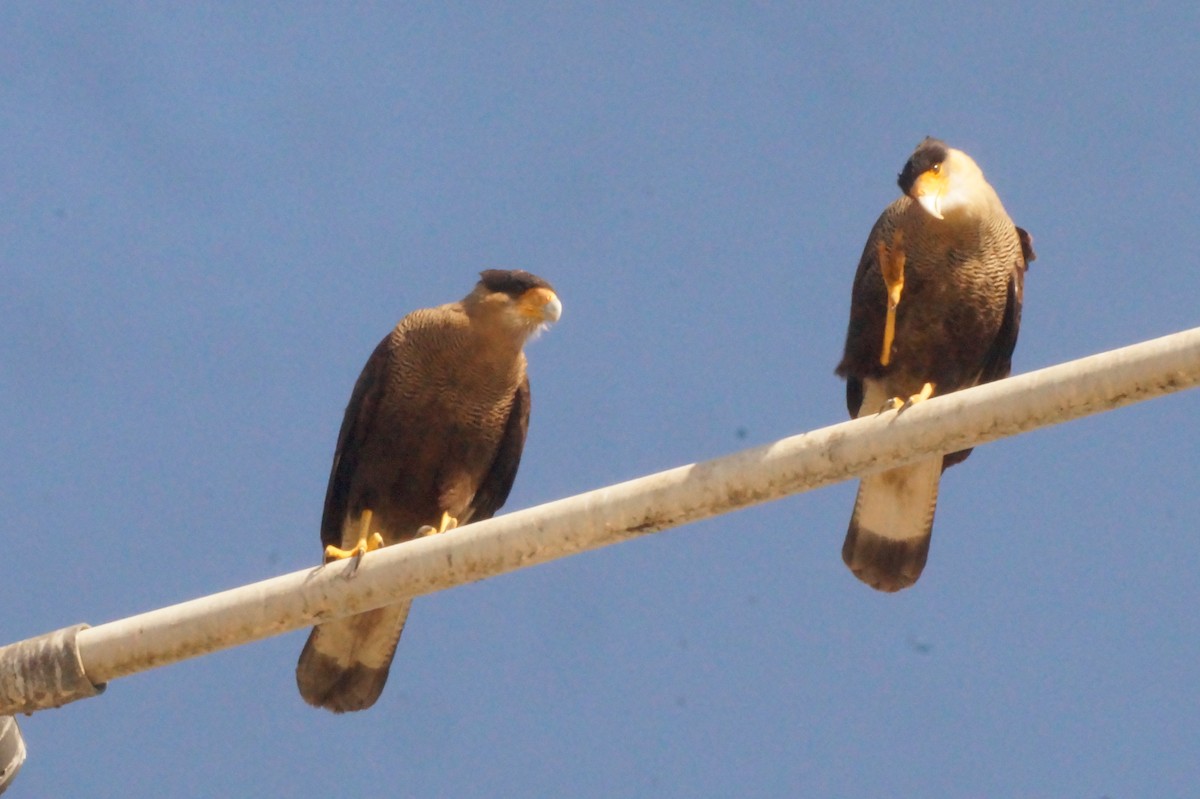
[[356, 429]]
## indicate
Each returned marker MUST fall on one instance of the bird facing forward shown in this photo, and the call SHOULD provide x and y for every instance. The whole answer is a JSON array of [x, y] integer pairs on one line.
[[935, 307], [431, 439]]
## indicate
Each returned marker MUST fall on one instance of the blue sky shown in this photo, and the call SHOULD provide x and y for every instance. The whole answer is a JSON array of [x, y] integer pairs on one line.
[[210, 215]]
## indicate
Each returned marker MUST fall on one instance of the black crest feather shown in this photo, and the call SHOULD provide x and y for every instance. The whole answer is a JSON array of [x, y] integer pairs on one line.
[[513, 282], [929, 152]]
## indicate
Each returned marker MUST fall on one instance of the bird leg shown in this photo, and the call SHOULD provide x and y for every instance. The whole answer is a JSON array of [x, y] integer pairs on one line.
[[367, 541], [891, 266], [898, 404], [448, 523]]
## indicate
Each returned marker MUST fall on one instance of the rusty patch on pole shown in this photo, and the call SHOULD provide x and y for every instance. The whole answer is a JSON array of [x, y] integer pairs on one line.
[[43, 672]]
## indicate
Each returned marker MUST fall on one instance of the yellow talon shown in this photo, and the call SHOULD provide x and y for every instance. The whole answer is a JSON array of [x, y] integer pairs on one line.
[[925, 393], [897, 404], [891, 266], [448, 523], [367, 542]]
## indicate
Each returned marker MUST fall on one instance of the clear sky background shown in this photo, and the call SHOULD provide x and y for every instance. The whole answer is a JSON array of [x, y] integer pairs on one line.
[[209, 216]]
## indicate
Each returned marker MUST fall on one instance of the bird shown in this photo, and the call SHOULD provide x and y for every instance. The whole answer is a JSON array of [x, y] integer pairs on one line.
[[431, 440], [935, 307]]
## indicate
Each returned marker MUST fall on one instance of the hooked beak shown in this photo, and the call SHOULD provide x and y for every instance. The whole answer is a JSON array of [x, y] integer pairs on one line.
[[541, 305], [927, 190]]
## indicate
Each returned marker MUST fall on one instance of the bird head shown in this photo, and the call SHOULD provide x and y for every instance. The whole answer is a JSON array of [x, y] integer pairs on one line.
[[521, 302], [945, 181]]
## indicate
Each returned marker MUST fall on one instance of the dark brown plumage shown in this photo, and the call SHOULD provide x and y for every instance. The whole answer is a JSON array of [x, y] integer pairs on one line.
[[431, 438], [960, 262]]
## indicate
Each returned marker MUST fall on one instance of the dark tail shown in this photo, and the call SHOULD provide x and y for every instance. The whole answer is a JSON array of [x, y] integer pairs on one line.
[[344, 664], [888, 539]]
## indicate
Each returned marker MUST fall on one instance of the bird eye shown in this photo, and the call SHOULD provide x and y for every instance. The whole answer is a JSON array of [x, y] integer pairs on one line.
[[936, 169]]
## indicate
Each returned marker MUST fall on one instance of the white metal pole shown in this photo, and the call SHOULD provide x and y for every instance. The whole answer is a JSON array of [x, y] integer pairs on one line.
[[637, 507]]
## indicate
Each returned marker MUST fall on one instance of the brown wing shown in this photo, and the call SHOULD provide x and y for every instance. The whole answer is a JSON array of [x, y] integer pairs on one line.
[[356, 428], [868, 301], [998, 361], [493, 491], [1026, 246]]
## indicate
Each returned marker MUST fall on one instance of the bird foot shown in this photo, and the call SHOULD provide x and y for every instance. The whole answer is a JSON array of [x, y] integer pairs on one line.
[[448, 523], [368, 543], [899, 404]]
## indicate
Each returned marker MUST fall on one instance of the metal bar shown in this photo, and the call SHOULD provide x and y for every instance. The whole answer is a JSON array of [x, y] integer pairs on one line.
[[44, 672], [638, 507]]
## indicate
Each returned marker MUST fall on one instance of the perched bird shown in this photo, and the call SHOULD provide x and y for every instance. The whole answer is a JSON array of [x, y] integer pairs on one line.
[[935, 307], [431, 439]]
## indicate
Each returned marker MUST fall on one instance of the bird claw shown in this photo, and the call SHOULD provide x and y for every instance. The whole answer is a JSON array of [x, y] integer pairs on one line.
[[367, 542], [900, 404], [447, 523]]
